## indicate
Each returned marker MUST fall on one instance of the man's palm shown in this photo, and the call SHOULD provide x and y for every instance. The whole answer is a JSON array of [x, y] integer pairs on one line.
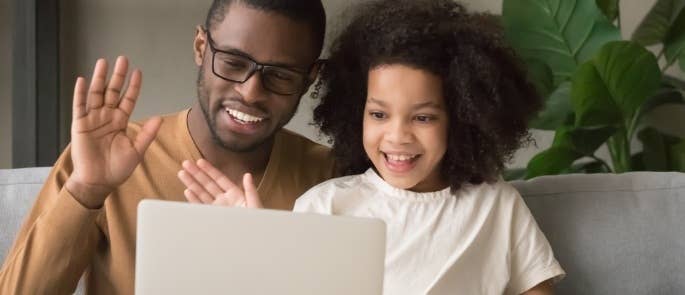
[[104, 156]]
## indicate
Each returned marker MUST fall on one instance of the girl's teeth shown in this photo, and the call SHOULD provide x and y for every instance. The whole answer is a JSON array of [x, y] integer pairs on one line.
[[400, 157]]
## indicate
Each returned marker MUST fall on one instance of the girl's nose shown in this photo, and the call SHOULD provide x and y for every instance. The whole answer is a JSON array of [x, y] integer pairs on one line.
[[399, 132]]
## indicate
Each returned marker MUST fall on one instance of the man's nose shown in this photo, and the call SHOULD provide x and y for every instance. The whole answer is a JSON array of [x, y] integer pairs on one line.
[[251, 90]]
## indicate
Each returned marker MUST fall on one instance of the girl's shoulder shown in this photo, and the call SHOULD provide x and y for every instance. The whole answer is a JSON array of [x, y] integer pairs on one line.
[[499, 191], [322, 195]]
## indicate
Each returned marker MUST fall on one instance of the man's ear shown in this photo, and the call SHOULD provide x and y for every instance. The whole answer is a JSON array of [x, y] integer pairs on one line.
[[316, 69], [199, 45]]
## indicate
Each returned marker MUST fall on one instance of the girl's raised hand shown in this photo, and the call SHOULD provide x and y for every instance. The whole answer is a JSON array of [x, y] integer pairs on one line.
[[207, 185]]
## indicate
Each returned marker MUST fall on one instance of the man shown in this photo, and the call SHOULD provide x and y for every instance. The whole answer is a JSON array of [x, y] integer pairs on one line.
[[256, 58]]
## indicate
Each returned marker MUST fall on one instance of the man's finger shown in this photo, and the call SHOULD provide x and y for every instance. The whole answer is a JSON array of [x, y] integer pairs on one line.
[[79, 103], [113, 91], [191, 197], [195, 187], [252, 199], [147, 135], [224, 182], [202, 178], [96, 91], [128, 102]]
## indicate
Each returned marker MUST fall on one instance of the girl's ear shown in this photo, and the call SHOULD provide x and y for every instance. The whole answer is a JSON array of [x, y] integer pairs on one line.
[[199, 45]]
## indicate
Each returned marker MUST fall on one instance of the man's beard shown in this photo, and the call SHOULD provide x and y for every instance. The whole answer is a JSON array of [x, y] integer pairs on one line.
[[210, 119]]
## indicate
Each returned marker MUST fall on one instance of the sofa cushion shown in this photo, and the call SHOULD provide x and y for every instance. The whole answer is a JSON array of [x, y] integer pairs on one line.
[[613, 234], [18, 190]]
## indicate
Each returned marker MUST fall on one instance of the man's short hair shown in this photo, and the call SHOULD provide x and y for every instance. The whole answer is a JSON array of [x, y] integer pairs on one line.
[[310, 12]]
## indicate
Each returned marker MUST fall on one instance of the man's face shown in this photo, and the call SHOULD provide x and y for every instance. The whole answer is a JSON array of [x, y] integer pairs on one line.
[[242, 116]]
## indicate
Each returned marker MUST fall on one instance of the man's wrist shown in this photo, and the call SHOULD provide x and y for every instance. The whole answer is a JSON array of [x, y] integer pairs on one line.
[[90, 196]]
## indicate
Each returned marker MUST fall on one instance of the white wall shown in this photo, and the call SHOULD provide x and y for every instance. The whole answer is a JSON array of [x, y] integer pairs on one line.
[[157, 36], [6, 18]]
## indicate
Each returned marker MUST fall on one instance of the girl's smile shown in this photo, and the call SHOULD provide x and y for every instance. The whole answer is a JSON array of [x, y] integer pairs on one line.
[[405, 126]]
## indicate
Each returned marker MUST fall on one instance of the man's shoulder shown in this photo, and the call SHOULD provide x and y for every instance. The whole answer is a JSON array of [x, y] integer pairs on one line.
[[172, 122], [294, 143]]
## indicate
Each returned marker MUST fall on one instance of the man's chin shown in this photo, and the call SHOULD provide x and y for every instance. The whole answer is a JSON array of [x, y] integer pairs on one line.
[[242, 145]]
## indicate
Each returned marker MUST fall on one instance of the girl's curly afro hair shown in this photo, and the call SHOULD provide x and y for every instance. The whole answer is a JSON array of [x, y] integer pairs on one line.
[[488, 97]]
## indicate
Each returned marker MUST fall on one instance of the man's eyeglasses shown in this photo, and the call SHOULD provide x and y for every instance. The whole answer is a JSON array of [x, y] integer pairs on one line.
[[239, 68]]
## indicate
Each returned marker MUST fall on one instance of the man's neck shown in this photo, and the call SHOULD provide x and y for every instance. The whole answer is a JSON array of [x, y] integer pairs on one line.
[[232, 164]]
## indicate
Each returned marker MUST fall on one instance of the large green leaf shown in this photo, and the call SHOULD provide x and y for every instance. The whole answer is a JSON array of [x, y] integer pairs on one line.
[[667, 94], [551, 161], [570, 144], [674, 44], [610, 88], [541, 76], [561, 33], [654, 27], [557, 109], [609, 8], [582, 140]]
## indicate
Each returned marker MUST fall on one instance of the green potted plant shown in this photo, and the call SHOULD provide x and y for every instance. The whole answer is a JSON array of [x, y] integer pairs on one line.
[[598, 87]]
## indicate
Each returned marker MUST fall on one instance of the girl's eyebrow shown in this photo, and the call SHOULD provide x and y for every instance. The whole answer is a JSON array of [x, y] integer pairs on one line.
[[428, 104], [418, 105], [376, 101]]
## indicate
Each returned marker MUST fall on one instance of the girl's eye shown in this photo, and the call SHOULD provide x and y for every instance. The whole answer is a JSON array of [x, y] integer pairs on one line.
[[377, 115], [424, 118]]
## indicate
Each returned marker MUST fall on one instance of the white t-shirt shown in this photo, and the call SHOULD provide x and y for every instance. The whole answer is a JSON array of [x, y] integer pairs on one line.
[[483, 240]]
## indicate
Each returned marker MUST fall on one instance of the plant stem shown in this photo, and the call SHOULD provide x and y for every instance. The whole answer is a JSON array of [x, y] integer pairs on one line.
[[604, 163], [619, 148]]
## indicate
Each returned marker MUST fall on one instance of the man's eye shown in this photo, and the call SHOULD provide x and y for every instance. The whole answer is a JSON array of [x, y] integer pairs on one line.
[[283, 76], [236, 65]]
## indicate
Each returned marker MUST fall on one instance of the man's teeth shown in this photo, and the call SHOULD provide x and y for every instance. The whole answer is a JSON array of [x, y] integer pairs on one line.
[[243, 116], [400, 157]]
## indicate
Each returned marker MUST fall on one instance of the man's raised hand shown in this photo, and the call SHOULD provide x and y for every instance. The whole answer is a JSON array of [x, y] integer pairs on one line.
[[103, 155]]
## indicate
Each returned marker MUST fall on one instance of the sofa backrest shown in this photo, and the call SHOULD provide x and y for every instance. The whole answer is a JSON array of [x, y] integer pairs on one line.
[[18, 189], [613, 234]]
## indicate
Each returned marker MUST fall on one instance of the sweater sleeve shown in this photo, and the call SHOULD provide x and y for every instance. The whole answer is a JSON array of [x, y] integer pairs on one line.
[[55, 243]]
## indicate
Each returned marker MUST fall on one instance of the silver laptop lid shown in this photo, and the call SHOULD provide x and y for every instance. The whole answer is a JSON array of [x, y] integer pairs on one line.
[[197, 249]]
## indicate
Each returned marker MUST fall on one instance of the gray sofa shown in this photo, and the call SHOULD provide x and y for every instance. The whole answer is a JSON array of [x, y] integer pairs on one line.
[[613, 234]]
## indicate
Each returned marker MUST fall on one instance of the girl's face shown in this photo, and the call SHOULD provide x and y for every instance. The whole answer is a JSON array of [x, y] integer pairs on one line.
[[405, 127]]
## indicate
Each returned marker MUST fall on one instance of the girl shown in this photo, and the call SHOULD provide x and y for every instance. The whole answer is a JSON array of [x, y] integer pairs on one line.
[[424, 105]]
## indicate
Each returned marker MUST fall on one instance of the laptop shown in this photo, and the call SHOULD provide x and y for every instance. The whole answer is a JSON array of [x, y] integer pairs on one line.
[[187, 248]]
